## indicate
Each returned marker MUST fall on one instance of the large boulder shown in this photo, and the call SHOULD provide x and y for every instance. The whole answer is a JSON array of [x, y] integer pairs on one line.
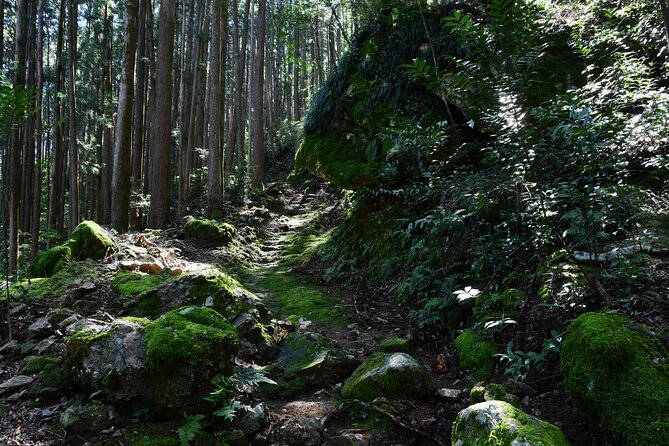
[[392, 376], [89, 241], [497, 423], [209, 232], [309, 361], [618, 371], [167, 363]]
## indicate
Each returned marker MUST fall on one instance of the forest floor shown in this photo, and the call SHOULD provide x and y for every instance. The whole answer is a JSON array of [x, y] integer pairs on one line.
[[273, 261]]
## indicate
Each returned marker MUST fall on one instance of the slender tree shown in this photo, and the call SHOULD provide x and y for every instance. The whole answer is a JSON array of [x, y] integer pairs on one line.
[[214, 173], [258, 107], [161, 170], [72, 116], [106, 147], [123, 139], [37, 188]]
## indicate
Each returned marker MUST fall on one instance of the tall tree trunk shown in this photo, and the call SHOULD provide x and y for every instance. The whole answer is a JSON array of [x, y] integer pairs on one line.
[[106, 162], [55, 219], [2, 33], [665, 17], [258, 106], [123, 138], [37, 188], [16, 143], [233, 122], [296, 74], [214, 174], [241, 116], [161, 146], [28, 158], [72, 117], [140, 102]]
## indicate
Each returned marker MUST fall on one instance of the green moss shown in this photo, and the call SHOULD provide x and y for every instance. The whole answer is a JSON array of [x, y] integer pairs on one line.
[[210, 232], [77, 345], [341, 157], [48, 263], [90, 241], [189, 334], [295, 296], [475, 353], [497, 423], [617, 371], [128, 283], [477, 394], [54, 375], [298, 248], [390, 376], [35, 364], [149, 304], [58, 284], [395, 344]]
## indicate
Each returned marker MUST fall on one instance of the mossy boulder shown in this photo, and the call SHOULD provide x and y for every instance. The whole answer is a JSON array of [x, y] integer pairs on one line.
[[618, 371], [129, 283], [392, 376], [476, 353], [89, 241], [167, 363], [35, 364], [497, 423], [68, 280], [209, 232], [309, 361]]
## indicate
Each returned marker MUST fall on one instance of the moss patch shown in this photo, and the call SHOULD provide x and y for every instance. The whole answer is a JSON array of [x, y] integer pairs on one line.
[[35, 364], [395, 344], [151, 434], [129, 284], [295, 296], [618, 372], [189, 334], [59, 283], [475, 353], [48, 263], [388, 375], [497, 423]]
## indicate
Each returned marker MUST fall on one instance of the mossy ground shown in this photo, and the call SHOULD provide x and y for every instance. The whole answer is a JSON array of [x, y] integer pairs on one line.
[[59, 283], [619, 372], [475, 353]]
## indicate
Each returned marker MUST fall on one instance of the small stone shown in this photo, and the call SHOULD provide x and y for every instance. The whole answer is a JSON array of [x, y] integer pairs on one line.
[[84, 289], [12, 346], [40, 329], [517, 387], [450, 394], [93, 418], [62, 325], [16, 383], [58, 315], [27, 347], [254, 420], [45, 345]]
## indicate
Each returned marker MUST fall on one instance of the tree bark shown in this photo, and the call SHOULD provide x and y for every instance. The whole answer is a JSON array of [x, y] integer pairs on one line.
[[161, 172], [123, 139], [55, 219], [140, 103], [258, 107], [106, 162], [214, 174], [665, 17], [72, 117], [37, 188]]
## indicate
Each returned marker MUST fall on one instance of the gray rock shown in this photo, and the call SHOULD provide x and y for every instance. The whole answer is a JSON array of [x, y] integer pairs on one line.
[[501, 423], [40, 329], [518, 388], [450, 394], [12, 346], [346, 439], [300, 432], [15, 384], [62, 325], [27, 347], [389, 375], [45, 345], [308, 361], [254, 421], [93, 418], [58, 315]]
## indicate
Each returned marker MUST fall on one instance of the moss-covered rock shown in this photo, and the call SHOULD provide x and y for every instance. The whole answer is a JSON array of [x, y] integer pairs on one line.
[[209, 232], [496, 423], [395, 344], [67, 280], [167, 364], [308, 361], [35, 364], [128, 283], [90, 241], [475, 353], [618, 371], [47, 263], [395, 375]]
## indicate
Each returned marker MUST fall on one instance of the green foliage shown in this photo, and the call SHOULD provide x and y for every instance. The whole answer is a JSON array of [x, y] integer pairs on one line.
[[228, 389], [518, 364], [190, 429]]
